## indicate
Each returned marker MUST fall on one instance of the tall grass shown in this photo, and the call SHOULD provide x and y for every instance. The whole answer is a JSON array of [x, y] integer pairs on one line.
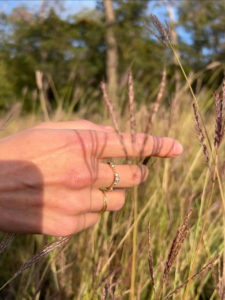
[[181, 258]]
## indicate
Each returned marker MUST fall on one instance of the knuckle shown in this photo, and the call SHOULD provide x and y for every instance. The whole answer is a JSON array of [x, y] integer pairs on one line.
[[78, 179], [140, 139], [136, 175], [72, 225], [156, 145], [73, 206], [85, 122]]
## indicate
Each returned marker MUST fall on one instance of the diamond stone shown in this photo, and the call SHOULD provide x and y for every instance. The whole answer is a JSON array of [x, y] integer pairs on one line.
[[117, 179]]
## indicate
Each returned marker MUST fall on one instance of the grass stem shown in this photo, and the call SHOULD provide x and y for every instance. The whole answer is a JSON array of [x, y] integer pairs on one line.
[[209, 202], [134, 244]]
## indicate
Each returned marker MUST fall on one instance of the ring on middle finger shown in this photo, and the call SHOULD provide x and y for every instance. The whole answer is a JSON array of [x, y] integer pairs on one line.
[[116, 178]]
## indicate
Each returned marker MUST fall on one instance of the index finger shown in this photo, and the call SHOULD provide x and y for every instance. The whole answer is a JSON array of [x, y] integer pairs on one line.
[[114, 146]]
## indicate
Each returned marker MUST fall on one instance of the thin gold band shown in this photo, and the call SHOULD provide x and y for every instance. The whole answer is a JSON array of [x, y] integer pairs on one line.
[[104, 208]]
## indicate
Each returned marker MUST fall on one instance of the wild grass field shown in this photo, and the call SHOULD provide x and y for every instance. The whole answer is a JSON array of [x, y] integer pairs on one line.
[[168, 241], [97, 263]]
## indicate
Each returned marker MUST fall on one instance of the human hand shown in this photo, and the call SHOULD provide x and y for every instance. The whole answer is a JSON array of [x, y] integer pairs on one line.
[[51, 175]]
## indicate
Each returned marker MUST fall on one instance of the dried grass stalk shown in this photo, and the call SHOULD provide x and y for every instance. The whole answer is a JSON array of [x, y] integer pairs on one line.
[[219, 120], [215, 279], [201, 134], [206, 267], [221, 281], [60, 242], [150, 259], [223, 91], [15, 110], [104, 292], [113, 116], [6, 241], [164, 31], [39, 79], [176, 246], [133, 127], [223, 107], [153, 113], [157, 102]]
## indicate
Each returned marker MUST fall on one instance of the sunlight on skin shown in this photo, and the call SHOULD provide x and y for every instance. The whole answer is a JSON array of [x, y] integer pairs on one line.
[[51, 174]]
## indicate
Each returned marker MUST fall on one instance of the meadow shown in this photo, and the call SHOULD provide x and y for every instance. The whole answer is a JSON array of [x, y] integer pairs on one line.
[[168, 241], [97, 263]]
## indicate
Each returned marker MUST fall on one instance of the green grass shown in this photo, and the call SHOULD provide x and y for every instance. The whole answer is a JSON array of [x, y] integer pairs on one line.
[[100, 258]]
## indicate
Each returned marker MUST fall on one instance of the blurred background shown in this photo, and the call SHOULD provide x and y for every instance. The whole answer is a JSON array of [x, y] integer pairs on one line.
[[58, 51], [53, 56]]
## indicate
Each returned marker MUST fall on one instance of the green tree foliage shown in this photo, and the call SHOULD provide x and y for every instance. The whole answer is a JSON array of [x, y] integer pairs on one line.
[[6, 87], [136, 48], [204, 21], [71, 51]]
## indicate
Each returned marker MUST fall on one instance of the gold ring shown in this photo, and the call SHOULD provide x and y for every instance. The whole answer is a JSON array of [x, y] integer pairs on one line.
[[116, 177], [104, 208]]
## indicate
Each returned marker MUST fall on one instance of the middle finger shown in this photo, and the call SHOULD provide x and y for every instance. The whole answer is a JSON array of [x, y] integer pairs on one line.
[[129, 175]]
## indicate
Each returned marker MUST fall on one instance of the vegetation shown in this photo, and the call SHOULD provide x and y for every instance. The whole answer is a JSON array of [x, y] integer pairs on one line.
[[53, 66]]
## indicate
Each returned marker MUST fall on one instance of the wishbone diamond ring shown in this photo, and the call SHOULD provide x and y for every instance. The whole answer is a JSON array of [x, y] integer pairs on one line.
[[116, 177]]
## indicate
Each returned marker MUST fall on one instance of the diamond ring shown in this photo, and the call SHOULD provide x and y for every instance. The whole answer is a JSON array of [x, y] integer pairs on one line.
[[116, 177]]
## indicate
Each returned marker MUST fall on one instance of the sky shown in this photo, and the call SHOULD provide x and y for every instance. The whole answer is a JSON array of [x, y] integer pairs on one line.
[[74, 6], [71, 6]]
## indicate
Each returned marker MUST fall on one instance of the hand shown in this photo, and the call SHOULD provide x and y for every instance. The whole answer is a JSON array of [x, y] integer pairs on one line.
[[51, 175]]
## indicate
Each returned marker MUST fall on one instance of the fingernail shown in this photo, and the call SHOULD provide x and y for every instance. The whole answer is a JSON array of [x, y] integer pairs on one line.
[[145, 172], [177, 148]]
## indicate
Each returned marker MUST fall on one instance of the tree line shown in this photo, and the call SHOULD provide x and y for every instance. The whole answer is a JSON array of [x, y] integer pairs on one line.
[[72, 54]]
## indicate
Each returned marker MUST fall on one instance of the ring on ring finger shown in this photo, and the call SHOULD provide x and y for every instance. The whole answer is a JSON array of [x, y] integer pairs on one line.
[[108, 201], [105, 203]]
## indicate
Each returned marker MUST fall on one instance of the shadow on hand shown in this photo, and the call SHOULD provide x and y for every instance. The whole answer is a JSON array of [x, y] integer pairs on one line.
[[21, 197]]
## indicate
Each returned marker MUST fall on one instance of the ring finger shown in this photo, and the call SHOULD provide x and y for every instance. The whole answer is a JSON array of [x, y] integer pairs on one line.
[[86, 201], [113, 200]]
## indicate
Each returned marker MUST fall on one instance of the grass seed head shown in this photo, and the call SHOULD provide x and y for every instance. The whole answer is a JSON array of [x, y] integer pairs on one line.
[[200, 133], [113, 115], [6, 241], [176, 245], [209, 265], [132, 108], [49, 248], [153, 112], [163, 31], [150, 259], [157, 102], [219, 120], [223, 108]]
